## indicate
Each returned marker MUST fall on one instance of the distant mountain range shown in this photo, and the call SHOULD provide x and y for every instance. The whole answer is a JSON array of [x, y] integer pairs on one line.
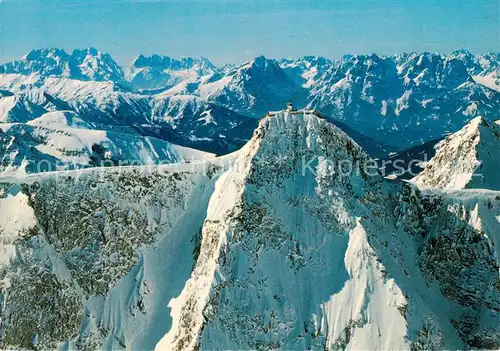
[[386, 104]]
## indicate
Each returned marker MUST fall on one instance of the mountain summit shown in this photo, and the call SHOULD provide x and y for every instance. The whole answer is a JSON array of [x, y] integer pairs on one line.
[[292, 242], [157, 71], [469, 158], [300, 251], [82, 64]]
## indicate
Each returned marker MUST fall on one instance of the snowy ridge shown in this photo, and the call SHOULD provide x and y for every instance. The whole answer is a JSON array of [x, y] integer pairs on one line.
[[149, 219], [61, 141], [83, 64], [104, 105], [336, 271], [255, 87], [415, 97], [272, 247], [398, 101], [163, 72], [470, 158], [234, 206]]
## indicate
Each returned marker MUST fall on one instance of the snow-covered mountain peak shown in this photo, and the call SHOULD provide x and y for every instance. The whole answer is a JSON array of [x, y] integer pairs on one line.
[[201, 63], [87, 51], [469, 158], [97, 65], [253, 88], [321, 260], [307, 69], [37, 54], [467, 57], [306, 61], [303, 132], [82, 64], [166, 62], [285, 171], [259, 63], [300, 142], [272, 247], [153, 72]]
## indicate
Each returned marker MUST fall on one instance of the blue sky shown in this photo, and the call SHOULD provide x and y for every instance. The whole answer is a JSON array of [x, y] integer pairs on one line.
[[233, 31]]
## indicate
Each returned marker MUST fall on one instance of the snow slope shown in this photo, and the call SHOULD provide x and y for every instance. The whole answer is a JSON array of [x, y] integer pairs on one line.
[[321, 260], [61, 140], [398, 101], [280, 245], [470, 158]]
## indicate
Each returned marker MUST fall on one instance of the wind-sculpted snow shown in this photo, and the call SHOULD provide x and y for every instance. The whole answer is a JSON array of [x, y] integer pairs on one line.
[[469, 158]]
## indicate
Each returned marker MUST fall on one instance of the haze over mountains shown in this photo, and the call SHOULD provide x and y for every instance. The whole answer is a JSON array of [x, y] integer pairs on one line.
[[385, 103]]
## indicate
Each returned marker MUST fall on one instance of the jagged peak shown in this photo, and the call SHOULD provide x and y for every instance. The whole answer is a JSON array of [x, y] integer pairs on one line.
[[260, 59], [468, 158], [167, 62], [206, 63], [478, 124], [461, 53], [82, 54], [142, 60], [36, 54], [41, 53], [305, 136], [490, 55], [260, 62], [86, 51], [321, 60]]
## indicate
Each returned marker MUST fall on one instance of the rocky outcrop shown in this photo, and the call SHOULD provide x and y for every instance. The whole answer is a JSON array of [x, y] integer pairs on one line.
[[470, 158], [299, 244]]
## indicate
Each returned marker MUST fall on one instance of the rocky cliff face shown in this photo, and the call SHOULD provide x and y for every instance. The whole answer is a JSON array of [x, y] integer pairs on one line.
[[294, 260], [399, 101], [88, 258], [469, 158], [299, 244]]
